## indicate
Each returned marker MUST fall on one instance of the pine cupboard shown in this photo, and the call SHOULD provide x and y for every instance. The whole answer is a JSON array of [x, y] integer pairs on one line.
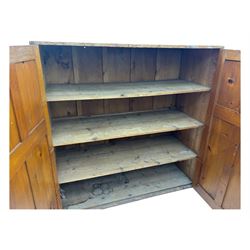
[[98, 125]]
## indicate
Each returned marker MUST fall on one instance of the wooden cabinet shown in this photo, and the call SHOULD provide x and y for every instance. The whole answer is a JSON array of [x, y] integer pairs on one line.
[[127, 122]]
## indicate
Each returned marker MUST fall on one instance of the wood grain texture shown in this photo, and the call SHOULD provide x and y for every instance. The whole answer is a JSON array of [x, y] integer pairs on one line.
[[122, 156], [20, 54], [95, 91], [230, 86], [80, 130], [227, 115], [116, 65], [41, 177], [143, 68], [116, 68], [55, 203], [143, 64], [90, 107], [28, 118], [21, 196], [57, 64], [14, 133], [197, 66], [232, 198], [87, 64], [22, 151], [63, 109], [118, 189], [221, 155], [116, 106], [222, 148], [117, 45], [168, 64], [232, 55], [161, 102], [27, 104]]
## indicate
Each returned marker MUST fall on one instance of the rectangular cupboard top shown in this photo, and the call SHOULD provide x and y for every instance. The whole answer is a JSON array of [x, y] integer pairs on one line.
[[117, 45]]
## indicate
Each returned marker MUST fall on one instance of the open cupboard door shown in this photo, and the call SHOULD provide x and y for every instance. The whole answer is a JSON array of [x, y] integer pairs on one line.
[[219, 182], [33, 178]]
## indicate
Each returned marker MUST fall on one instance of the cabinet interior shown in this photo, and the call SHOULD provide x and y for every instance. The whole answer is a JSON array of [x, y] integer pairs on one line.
[[126, 123]]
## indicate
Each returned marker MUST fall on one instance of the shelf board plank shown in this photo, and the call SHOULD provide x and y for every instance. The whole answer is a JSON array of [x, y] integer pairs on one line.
[[95, 91], [120, 45], [81, 130], [123, 156], [112, 190]]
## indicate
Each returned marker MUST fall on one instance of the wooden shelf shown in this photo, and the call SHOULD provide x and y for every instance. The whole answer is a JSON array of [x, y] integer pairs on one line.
[[95, 91], [118, 189], [80, 130], [120, 45], [123, 156]]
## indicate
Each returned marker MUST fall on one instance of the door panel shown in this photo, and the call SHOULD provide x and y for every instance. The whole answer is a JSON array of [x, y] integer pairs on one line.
[[26, 96], [232, 196], [14, 138], [20, 190], [222, 148], [32, 180], [229, 95], [41, 177], [220, 171]]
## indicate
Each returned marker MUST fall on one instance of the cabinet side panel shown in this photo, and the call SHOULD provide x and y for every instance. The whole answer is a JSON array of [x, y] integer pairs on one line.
[[197, 65]]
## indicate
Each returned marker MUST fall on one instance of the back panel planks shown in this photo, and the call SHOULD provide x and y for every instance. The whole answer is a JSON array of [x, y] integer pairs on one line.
[[79, 64], [87, 64], [168, 64], [116, 68], [121, 156], [57, 64], [81, 130]]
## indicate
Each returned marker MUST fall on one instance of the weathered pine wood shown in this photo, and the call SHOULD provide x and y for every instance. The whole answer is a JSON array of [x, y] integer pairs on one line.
[[197, 66], [222, 150], [232, 198], [80, 130], [116, 68], [32, 182], [220, 170], [122, 156], [230, 86], [116, 45], [168, 63], [95, 91], [20, 190], [143, 68], [71, 65], [57, 64], [21, 53], [87, 64], [118, 189]]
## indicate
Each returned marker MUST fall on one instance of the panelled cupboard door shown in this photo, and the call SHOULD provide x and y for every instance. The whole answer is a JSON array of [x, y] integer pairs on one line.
[[33, 181], [220, 173]]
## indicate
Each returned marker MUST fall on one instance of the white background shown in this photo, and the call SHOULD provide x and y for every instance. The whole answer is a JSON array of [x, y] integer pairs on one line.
[[178, 220]]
